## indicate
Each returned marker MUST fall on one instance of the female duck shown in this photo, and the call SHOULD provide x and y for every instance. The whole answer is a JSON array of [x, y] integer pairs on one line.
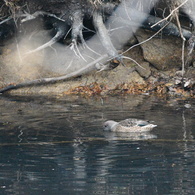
[[128, 125]]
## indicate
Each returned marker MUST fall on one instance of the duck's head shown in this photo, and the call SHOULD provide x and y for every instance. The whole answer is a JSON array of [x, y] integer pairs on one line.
[[109, 125]]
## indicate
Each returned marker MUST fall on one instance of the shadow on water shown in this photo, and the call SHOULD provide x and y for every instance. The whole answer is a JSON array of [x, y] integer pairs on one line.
[[57, 146]]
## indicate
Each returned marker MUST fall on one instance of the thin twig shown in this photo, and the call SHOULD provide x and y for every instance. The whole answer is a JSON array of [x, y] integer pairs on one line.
[[183, 45], [125, 57], [172, 12], [146, 39]]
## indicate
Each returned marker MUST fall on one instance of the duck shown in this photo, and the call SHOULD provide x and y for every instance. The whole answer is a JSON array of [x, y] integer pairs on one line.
[[128, 125]]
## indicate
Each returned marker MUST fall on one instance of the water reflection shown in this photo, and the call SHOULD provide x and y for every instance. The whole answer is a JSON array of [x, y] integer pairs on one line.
[[57, 146], [129, 136]]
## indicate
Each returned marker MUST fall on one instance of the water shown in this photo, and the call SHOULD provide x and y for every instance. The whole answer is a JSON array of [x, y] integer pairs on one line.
[[57, 146]]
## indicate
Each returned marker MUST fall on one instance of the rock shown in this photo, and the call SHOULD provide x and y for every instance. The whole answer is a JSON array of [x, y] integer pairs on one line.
[[144, 70], [162, 52], [190, 73]]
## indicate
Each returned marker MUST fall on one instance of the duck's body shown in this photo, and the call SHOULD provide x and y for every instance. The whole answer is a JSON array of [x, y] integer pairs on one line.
[[128, 125]]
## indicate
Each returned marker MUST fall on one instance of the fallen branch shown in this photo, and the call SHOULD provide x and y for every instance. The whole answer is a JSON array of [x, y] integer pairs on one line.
[[94, 65]]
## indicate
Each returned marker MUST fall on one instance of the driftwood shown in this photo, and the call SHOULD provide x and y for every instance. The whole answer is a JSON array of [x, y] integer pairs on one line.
[[94, 65]]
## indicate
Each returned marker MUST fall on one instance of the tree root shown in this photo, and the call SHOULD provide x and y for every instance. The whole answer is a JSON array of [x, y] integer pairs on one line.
[[61, 28], [103, 35]]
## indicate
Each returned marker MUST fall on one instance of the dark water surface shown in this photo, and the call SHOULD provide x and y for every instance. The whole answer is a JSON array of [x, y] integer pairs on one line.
[[57, 146]]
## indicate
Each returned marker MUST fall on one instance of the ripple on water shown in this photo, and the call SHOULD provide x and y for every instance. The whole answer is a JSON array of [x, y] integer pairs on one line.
[[57, 146]]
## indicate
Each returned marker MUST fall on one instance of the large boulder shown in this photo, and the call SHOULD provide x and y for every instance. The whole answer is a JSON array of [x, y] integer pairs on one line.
[[163, 52]]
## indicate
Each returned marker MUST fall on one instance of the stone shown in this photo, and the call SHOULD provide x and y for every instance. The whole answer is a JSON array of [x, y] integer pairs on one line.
[[162, 52], [144, 69]]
